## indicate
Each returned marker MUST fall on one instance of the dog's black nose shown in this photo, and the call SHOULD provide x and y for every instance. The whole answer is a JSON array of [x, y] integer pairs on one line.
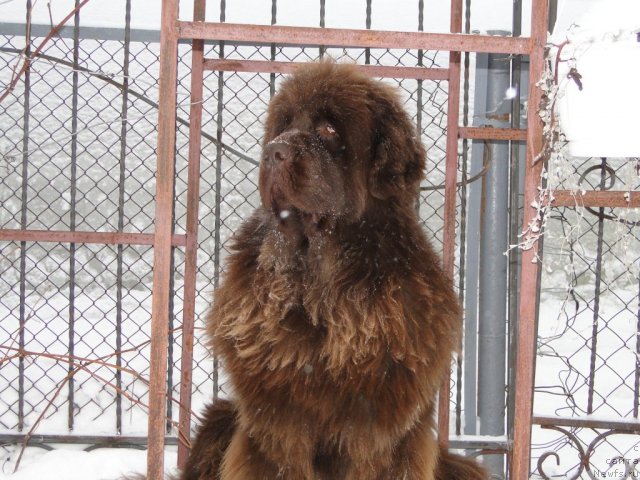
[[277, 152]]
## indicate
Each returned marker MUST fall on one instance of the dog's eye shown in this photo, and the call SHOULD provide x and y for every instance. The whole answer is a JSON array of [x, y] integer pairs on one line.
[[327, 131]]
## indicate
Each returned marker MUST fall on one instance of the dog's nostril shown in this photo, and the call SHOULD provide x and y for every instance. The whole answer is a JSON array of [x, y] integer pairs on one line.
[[277, 152], [278, 155]]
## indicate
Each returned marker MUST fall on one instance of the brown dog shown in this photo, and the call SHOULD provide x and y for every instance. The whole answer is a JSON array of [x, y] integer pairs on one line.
[[334, 322]]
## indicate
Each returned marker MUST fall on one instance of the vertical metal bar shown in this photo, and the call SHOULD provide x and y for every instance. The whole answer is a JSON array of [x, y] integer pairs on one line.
[[492, 292], [636, 388], [23, 217], [322, 49], [272, 76], [528, 309], [367, 51], [191, 248], [72, 217], [218, 190], [553, 14], [419, 99], [596, 294], [451, 177], [514, 223], [471, 335], [162, 241], [121, 191], [472, 247], [170, 337]]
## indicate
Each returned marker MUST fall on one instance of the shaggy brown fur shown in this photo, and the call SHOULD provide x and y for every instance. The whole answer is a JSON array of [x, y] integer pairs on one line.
[[335, 321]]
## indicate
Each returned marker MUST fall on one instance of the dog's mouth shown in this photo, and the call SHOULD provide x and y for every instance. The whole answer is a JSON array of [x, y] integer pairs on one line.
[[307, 217], [289, 216]]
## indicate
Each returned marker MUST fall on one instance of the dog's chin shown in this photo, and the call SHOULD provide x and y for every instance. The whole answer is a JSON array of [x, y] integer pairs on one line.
[[291, 216], [295, 222]]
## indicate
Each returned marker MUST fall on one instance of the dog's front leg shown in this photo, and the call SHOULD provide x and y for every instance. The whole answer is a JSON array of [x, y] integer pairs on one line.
[[412, 457], [245, 460]]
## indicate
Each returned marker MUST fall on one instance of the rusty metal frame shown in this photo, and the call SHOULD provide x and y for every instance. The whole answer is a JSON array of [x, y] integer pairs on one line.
[[162, 247], [519, 465], [164, 240], [198, 30]]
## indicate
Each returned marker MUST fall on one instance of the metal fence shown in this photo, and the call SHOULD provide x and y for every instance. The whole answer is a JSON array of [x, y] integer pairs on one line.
[[79, 155], [587, 391], [89, 166], [78, 150]]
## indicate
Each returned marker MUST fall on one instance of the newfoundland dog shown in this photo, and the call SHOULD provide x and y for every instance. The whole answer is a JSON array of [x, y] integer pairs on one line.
[[334, 321]]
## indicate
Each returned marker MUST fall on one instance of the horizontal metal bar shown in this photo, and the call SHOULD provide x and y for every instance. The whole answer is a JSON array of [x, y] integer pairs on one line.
[[97, 440], [607, 198], [630, 427], [334, 37], [86, 237], [490, 133], [116, 440], [479, 444], [261, 66]]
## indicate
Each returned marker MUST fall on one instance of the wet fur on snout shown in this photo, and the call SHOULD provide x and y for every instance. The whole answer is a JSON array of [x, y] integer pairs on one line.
[[301, 180], [334, 322]]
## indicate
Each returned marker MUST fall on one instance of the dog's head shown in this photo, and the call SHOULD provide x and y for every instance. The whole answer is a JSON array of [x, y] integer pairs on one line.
[[337, 143]]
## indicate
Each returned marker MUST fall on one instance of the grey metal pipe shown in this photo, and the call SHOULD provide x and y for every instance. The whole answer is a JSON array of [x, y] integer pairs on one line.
[[492, 285], [474, 190]]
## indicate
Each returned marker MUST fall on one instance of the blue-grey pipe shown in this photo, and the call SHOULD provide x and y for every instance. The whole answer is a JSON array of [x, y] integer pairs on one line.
[[493, 272]]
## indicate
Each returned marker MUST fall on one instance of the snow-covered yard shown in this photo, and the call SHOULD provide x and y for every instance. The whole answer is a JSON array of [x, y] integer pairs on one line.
[[572, 371]]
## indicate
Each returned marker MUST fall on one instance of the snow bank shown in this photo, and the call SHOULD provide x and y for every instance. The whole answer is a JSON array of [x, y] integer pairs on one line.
[[599, 112], [71, 464]]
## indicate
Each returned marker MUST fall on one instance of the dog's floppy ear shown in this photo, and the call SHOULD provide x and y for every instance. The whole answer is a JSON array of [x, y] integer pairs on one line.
[[399, 157]]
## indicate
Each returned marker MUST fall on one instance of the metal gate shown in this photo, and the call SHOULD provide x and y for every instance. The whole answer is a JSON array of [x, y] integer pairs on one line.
[[215, 82]]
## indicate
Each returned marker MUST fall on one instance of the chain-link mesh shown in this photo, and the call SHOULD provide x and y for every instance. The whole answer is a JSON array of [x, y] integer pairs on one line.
[[89, 166], [79, 311], [588, 359]]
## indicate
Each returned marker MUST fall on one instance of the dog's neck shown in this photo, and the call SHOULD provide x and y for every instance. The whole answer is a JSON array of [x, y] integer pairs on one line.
[[314, 251]]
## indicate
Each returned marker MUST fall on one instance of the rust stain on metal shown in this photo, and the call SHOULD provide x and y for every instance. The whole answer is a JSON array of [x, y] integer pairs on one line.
[[165, 178], [334, 37], [262, 66], [609, 198], [501, 117], [191, 250], [451, 176], [632, 426], [106, 238], [529, 268], [491, 133]]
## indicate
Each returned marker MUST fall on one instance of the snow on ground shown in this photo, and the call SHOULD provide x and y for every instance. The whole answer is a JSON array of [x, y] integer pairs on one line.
[[73, 464]]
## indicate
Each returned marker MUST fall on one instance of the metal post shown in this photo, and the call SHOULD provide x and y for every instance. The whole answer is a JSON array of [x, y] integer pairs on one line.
[[323, 8], [451, 178], [72, 218], [23, 217], [472, 252], [636, 386], [367, 52], [469, 335], [165, 172], [515, 176], [272, 76], [595, 326], [419, 100], [217, 248], [191, 250], [528, 308], [492, 295], [121, 202]]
